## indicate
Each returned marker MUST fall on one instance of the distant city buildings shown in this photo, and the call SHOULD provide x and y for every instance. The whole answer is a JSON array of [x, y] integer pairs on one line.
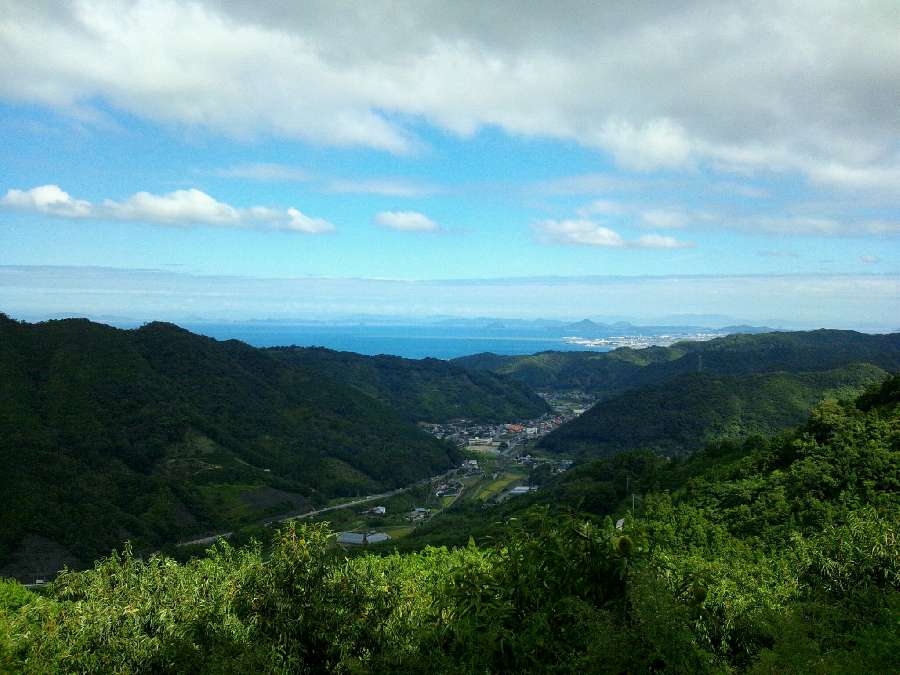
[[640, 341], [482, 437]]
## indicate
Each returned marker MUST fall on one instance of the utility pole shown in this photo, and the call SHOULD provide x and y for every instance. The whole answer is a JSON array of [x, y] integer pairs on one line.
[[627, 490]]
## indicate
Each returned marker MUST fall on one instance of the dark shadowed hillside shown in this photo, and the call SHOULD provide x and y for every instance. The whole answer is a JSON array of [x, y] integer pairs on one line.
[[429, 390], [687, 411], [153, 433], [775, 555]]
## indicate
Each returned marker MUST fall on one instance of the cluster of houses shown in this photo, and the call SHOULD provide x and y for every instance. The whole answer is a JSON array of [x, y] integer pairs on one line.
[[568, 404], [497, 437], [449, 488], [470, 467], [417, 514], [464, 432], [559, 466]]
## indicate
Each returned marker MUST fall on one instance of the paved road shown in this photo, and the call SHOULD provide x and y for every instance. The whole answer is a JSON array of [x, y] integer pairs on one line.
[[211, 539]]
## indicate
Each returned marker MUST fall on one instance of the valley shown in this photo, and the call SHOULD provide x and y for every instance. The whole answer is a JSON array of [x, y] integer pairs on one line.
[[498, 459], [728, 470]]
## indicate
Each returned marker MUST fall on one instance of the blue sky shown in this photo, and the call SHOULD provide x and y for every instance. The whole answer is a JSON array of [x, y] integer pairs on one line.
[[421, 141]]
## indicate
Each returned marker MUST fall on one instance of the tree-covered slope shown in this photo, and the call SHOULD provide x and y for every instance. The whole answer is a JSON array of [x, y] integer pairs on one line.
[[777, 555], [600, 373], [687, 411], [608, 373], [156, 432], [427, 390]]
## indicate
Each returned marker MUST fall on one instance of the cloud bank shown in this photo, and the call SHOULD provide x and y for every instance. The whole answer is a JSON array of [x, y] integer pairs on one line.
[[807, 87], [795, 220], [179, 208], [811, 301]]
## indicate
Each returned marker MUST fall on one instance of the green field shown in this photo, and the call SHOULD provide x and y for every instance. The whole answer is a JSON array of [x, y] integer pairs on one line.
[[398, 531], [489, 488]]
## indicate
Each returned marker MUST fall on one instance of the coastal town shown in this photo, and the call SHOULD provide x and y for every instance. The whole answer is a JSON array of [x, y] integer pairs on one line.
[[507, 437], [640, 341], [500, 463]]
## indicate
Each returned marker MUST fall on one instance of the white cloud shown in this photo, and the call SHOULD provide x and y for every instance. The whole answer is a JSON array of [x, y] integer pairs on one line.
[[808, 222], [603, 207], [856, 178], [300, 222], [870, 259], [742, 190], [283, 173], [584, 232], [815, 225], [581, 231], [868, 302], [660, 241], [386, 187], [584, 184], [181, 207], [657, 218], [663, 218], [882, 227], [805, 86], [657, 144], [406, 221], [49, 199], [265, 172]]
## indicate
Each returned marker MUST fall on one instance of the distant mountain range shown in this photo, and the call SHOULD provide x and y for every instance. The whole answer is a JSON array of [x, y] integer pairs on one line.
[[606, 374], [673, 399], [598, 326], [590, 328]]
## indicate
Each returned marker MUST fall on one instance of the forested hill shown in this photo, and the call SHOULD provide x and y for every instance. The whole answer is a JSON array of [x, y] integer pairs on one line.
[[687, 411], [428, 390], [778, 555], [153, 433], [608, 373]]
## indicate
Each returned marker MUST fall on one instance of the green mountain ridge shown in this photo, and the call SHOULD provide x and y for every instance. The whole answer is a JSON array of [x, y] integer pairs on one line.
[[606, 374], [156, 433], [685, 412], [774, 555], [425, 390]]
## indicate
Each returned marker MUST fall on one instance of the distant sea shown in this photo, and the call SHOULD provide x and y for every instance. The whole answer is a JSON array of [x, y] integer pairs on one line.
[[414, 342]]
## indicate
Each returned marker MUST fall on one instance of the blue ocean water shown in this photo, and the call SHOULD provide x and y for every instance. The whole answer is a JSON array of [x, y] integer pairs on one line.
[[414, 342]]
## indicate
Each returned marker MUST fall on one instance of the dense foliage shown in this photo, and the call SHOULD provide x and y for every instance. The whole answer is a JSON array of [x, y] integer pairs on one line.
[[682, 414], [773, 555], [609, 373], [153, 433], [426, 390]]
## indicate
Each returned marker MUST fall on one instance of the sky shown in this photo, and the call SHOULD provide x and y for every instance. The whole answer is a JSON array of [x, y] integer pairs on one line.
[[241, 159]]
